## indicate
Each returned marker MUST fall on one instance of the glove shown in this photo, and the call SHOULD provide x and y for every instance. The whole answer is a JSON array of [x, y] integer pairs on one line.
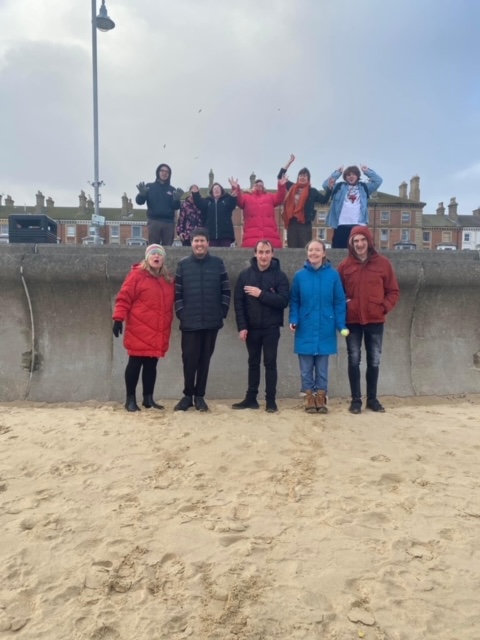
[[142, 188], [117, 328], [177, 194]]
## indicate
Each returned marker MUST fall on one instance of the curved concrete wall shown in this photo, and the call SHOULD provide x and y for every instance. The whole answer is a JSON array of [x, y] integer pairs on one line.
[[61, 298]]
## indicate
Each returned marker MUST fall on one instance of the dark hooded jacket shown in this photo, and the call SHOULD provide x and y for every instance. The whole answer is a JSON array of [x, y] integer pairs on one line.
[[370, 285], [217, 214], [161, 204], [266, 311]]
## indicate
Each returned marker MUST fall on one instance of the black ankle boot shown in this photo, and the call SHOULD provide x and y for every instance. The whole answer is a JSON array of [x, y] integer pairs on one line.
[[149, 402], [131, 404]]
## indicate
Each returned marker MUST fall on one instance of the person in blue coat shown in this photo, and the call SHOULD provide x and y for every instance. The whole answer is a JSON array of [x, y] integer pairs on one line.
[[317, 311]]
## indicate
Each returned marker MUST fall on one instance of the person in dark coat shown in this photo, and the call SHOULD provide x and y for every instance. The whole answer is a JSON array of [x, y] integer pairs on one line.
[[299, 206], [261, 296], [202, 300], [145, 303], [217, 211], [162, 201]]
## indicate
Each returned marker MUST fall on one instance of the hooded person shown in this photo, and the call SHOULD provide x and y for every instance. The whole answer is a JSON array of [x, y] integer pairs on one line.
[[145, 303], [299, 206], [372, 292], [162, 201]]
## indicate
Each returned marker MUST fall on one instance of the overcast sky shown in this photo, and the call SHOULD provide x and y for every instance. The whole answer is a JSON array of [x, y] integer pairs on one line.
[[394, 85]]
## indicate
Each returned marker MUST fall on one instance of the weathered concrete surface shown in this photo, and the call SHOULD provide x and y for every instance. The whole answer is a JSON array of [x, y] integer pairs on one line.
[[429, 348]]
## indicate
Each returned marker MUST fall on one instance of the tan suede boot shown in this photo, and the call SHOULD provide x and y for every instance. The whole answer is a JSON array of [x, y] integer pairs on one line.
[[310, 406], [321, 401]]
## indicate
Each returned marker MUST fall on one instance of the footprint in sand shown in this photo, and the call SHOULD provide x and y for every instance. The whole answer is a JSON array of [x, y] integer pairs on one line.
[[166, 578], [380, 458]]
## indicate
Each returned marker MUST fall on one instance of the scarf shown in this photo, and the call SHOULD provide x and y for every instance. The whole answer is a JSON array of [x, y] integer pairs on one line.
[[295, 210]]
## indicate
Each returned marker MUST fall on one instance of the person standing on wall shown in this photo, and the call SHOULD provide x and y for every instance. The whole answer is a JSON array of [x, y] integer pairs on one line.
[[162, 201], [145, 303], [349, 206], [190, 218], [217, 210], [202, 300], [317, 312], [299, 206], [261, 295], [372, 292]]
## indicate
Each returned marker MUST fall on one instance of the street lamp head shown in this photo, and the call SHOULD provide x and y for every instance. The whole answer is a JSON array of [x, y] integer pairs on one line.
[[103, 22]]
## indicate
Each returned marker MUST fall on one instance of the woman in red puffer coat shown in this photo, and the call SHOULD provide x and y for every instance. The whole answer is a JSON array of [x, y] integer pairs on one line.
[[145, 302], [259, 212]]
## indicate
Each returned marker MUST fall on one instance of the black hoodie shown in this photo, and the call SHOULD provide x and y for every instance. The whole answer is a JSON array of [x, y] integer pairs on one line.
[[161, 204]]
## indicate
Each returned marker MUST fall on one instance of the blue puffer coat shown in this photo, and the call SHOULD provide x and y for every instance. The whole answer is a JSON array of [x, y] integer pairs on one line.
[[318, 308]]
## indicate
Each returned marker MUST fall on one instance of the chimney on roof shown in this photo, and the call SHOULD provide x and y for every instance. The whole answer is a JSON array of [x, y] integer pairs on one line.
[[9, 202], [476, 212], [415, 189], [402, 190], [452, 209], [40, 204], [82, 203], [130, 207], [124, 205], [211, 178], [89, 204], [50, 204], [253, 177], [440, 209]]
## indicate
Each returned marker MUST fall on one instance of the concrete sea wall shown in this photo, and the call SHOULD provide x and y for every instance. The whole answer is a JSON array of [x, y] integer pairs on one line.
[[56, 343]]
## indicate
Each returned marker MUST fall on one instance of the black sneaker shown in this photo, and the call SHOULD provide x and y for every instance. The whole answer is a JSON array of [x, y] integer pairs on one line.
[[184, 404], [355, 406], [246, 404], [200, 404], [271, 406], [374, 405]]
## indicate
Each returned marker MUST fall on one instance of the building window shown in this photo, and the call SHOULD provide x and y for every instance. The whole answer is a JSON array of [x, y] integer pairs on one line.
[[3, 229], [385, 217], [383, 235], [405, 217], [426, 237], [446, 236], [136, 232], [466, 237], [322, 216], [405, 235], [322, 234], [115, 231], [71, 231]]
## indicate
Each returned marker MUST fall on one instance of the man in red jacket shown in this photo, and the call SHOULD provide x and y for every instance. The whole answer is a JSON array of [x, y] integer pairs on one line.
[[372, 291]]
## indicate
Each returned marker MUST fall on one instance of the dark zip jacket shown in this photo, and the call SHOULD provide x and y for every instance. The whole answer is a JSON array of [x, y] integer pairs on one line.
[[217, 215], [266, 311], [161, 204]]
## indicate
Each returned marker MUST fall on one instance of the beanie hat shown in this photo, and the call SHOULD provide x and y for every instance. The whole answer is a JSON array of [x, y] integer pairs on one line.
[[154, 247]]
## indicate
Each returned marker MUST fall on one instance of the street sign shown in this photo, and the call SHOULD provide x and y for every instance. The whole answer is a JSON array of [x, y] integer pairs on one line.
[[98, 219]]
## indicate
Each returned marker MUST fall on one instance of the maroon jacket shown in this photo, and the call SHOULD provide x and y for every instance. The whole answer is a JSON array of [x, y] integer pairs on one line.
[[370, 286], [146, 303]]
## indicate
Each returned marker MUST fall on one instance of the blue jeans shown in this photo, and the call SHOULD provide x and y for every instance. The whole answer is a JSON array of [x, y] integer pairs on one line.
[[372, 334], [314, 373]]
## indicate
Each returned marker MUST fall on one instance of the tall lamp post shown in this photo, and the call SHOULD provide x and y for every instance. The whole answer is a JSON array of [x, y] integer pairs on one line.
[[103, 23]]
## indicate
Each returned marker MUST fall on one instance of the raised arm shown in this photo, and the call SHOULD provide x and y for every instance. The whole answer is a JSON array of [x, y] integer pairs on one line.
[[375, 179], [200, 202], [335, 175], [279, 197]]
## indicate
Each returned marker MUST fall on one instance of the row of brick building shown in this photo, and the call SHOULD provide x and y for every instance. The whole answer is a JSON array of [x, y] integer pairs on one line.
[[397, 222]]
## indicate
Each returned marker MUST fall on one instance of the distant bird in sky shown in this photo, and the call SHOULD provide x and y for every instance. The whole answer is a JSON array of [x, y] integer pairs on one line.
[[164, 146], [199, 111]]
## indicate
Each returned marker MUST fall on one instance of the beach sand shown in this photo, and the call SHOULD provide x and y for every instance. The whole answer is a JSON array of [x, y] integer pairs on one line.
[[241, 525]]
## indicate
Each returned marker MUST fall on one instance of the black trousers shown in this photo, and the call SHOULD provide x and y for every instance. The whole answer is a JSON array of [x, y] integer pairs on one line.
[[149, 374], [298, 235], [197, 350], [265, 340], [341, 235]]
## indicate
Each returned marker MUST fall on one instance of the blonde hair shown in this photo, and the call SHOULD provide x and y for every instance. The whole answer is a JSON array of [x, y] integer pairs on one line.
[[163, 273]]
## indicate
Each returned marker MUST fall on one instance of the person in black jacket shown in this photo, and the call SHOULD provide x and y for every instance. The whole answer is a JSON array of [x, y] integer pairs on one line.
[[261, 295], [217, 210], [202, 300], [162, 201], [299, 206]]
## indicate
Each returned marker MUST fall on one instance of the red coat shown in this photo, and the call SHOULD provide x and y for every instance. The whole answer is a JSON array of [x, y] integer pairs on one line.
[[370, 286], [146, 303], [259, 216]]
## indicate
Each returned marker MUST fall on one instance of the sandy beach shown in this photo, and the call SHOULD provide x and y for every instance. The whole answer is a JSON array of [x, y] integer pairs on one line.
[[241, 525]]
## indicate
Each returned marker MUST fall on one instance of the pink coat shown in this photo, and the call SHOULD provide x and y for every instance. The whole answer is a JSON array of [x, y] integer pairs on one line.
[[259, 216]]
